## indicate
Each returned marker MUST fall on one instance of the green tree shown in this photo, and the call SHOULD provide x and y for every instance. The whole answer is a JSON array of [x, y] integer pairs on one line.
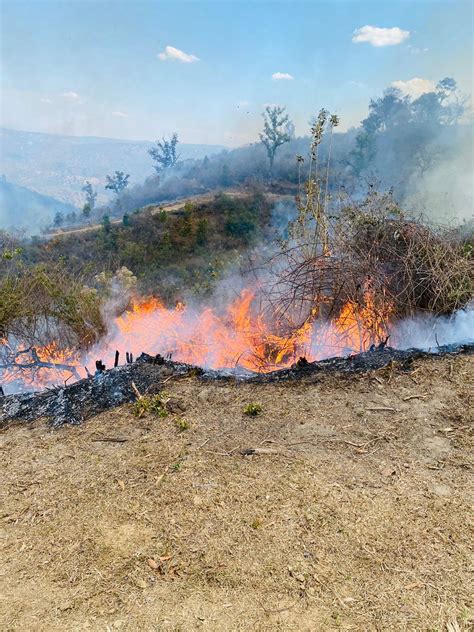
[[91, 196], [58, 219], [275, 132], [202, 232], [86, 210], [225, 179], [106, 225]]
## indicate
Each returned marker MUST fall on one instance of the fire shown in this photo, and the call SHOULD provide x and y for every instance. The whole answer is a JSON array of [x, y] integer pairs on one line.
[[239, 336]]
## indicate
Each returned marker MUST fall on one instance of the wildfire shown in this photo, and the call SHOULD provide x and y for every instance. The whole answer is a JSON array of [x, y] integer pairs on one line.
[[240, 336]]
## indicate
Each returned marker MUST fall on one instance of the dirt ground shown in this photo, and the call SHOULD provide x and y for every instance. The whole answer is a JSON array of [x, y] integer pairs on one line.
[[353, 514]]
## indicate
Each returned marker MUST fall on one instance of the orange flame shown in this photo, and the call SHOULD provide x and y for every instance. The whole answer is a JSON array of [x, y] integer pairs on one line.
[[238, 337]]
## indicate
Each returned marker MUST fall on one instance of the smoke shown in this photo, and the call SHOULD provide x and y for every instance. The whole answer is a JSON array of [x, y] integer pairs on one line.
[[445, 192], [429, 332]]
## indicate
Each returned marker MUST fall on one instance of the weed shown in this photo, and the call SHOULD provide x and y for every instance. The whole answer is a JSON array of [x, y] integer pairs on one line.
[[252, 409], [182, 424], [154, 404]]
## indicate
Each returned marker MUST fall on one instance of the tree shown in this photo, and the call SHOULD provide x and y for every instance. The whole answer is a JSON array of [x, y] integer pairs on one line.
[[118, 182], [91, 196], [58, 219], [106, 224], [225, 179], [402, 135], [165, 153], [275, 131], [86, 210]]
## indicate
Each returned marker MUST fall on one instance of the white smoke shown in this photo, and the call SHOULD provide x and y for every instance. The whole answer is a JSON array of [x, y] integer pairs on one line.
[[428, 332]]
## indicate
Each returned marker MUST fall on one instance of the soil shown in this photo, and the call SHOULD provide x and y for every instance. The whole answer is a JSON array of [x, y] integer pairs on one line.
[[344, 505]]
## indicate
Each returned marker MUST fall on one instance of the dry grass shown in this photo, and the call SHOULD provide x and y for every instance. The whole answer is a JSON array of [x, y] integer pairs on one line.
[[353, 514]]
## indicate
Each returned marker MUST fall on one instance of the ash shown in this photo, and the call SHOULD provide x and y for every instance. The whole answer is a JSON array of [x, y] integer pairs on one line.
[[110, 388]]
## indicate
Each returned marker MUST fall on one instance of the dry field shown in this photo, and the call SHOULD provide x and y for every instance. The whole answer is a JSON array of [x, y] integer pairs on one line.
[[353, 514]]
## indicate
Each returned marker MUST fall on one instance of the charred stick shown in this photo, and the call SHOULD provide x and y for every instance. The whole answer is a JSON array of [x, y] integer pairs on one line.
[[116, 361]]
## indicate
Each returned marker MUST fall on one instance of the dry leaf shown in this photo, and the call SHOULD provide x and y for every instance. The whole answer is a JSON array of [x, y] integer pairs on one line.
[[152, 564], [121, 484]]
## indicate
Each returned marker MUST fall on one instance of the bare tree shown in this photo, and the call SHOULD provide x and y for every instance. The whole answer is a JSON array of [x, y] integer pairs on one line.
[[276, 128]]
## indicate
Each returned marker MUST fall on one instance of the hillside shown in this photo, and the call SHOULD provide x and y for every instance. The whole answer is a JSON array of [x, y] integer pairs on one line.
[[353, 514], [24, 209], [173, 250], [58, 165]]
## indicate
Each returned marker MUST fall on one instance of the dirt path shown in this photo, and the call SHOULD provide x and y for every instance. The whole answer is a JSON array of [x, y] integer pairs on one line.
[[352, 515]]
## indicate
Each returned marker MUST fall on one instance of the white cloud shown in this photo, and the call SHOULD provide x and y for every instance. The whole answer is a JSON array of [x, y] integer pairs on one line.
[[174, 54], [380, 36], [285, 76], [415, 87], [120, 114], [73, 96], [45, 100]]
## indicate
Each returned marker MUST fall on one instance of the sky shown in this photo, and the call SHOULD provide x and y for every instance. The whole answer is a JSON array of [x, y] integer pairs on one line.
[[142, 69]]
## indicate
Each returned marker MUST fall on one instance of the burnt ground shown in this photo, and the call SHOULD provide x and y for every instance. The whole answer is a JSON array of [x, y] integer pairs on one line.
[[351, 514]]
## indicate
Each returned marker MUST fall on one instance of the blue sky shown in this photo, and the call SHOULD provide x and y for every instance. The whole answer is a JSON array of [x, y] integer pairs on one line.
[[104, 69]]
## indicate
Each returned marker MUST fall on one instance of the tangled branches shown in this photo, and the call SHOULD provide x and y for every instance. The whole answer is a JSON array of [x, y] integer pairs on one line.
[[367, 260]]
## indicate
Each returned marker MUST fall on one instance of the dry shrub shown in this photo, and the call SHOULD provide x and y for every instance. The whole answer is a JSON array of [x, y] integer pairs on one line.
[[418, 266], [367, 255]]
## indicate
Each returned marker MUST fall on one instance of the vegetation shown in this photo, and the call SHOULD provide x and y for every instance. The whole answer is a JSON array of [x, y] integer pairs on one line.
[[118, 182], [369, 255], [45, 301], [169, 253], [253, 410], [154, 404], [165, 153], [275, 132], [55, 290]]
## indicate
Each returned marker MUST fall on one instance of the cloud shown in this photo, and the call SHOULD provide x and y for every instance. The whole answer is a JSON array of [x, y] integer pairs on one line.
[[45, 100], [282, 76], [380, 36], [120, 114], [73, 96], [414, 87], [174, 54]]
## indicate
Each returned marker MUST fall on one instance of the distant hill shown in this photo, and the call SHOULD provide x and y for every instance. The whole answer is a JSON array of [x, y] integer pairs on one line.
[[21, 208], [57, 166]]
